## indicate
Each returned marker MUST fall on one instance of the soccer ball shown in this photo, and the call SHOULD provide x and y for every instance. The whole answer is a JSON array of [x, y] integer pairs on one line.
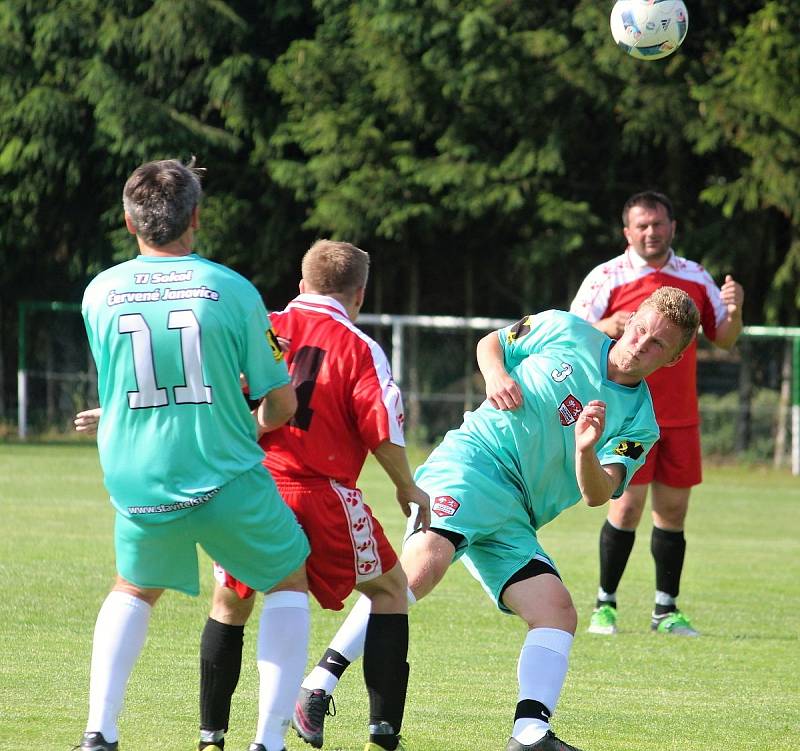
[[649, 29]]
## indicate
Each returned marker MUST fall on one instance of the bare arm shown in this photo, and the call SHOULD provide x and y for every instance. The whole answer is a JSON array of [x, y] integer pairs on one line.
[[502, 391], [275, 408], [595, 481], [732, 294], [394, 460]]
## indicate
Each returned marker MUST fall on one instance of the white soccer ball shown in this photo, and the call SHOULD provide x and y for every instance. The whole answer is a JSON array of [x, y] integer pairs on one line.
[[649, 29]]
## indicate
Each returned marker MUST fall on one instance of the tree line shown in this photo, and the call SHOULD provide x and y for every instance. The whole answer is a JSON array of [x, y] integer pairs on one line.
[[481, 150]]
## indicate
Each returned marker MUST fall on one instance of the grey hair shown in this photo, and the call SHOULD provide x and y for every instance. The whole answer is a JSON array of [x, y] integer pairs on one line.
[[159, 197]]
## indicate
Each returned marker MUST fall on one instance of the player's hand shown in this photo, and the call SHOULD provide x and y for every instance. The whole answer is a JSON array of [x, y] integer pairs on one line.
[[614, 325], [88, 420], [732, 295], [502, 391], [590, 425], [415, 494]]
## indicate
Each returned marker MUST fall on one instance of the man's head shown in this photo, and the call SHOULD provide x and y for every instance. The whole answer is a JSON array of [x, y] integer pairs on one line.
[[649, 226], [335, 268], [160, 199], [655, 336]]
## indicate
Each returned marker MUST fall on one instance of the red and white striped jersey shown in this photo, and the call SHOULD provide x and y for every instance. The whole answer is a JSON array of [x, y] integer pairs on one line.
[[622, 284], [347, 400]]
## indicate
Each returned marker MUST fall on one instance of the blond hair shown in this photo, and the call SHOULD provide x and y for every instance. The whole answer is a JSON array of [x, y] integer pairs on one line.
[[331, 267], [678, 308]]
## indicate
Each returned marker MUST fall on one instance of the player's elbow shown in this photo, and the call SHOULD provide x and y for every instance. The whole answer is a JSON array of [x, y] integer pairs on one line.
[[595, 499], [278, 407]]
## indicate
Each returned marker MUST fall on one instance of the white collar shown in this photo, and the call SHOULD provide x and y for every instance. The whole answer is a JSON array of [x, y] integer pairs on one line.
[[307, 298], [635, 260]]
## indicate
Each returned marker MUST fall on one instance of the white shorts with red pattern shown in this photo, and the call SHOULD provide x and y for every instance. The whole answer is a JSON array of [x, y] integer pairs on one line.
[[348, 544]]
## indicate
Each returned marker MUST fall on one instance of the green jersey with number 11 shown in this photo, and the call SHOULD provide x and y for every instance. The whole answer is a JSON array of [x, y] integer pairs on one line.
[[170, 336]]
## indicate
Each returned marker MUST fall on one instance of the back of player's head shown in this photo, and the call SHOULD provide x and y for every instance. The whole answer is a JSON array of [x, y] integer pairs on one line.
[[678, 308], [331, 267], [650, 199], [159, 197]]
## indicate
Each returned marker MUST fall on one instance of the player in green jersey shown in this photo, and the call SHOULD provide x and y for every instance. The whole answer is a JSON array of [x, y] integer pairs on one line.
[[170, 333], [568, 416]]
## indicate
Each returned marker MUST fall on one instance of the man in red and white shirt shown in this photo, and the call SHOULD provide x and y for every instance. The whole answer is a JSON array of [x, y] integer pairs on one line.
[[607, 298], [348, 406]]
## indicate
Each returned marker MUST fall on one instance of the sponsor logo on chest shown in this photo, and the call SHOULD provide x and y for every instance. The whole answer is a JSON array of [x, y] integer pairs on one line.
[[569, 410]]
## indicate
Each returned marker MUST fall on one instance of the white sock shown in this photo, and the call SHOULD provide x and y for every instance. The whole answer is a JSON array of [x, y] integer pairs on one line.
[[281, 653], [119, 635], [348, 642], [662, 598], [604, 596], [541, 671]]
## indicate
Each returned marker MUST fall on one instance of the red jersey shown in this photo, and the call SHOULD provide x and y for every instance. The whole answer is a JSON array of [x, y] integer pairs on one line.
[[622, 284], [347, 401]]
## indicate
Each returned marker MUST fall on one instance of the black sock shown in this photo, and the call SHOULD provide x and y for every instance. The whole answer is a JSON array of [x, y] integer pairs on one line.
[[668, 550], [615, 549], [386, 675], [334, 662], [220, 664]]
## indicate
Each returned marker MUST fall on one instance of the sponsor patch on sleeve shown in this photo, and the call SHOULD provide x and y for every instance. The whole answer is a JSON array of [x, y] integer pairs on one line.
[[631, 449], [274, 345], [519, 329]]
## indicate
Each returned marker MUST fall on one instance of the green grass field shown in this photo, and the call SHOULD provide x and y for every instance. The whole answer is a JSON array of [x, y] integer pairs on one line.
[[737, 687]]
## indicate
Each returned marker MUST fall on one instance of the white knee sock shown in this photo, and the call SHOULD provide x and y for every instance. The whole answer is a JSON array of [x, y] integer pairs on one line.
[[282, 651], [541, 671], [348, 642], [119, 636]]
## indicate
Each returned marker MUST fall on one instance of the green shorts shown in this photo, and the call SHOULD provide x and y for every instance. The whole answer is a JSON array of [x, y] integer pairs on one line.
[[246, 528], [472, 498]]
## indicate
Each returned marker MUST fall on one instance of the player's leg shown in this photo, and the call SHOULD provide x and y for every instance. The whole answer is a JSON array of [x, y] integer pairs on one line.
[[255, 538], [537, 595], [385, 655], [221, 657], [425, 560], [119, 636], [617, 536], [150, 558], [281, 652], [678, 469]]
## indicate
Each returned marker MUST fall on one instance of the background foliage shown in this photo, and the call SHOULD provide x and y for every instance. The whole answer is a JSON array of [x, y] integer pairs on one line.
[[480, 150]]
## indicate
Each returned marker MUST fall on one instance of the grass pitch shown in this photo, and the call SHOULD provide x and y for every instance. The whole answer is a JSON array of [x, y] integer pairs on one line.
[[735, 688]]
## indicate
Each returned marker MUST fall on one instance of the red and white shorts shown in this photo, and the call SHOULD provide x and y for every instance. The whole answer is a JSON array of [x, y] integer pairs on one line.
[[674, 460], [348, 544]]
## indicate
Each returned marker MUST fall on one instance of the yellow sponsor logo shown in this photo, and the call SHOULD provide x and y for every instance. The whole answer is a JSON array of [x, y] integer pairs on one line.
[[272, 340], [631, 449]]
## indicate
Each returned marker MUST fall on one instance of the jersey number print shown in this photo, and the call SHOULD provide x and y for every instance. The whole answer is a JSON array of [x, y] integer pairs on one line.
[[305, 369], [149, 393]]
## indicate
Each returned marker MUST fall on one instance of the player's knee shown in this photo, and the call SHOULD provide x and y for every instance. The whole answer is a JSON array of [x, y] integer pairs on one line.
[[227, 607]]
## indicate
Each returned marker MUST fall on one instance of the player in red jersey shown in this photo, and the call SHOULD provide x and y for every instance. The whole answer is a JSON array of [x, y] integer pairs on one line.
[[348, 406], [607, 297]]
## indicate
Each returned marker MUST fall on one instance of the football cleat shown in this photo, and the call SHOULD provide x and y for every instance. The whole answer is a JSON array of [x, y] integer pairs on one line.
[[371, 746], [548, 743], [260, 747], [675, 623], [96, 742], [309, 714], [604, 621]]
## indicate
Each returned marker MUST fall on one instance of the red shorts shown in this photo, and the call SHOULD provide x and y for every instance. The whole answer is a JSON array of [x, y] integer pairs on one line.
[[348, 545], [674, 460]]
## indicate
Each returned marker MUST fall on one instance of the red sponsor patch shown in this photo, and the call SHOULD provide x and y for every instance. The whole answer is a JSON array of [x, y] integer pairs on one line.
[[569, 410], [444, 505]]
